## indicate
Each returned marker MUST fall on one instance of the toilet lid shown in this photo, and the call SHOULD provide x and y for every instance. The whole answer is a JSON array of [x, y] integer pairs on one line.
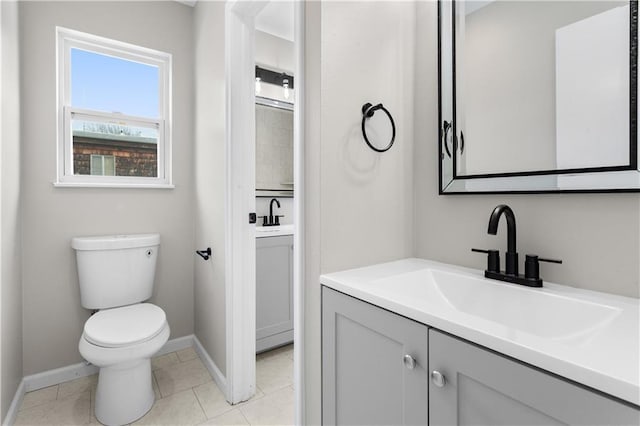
[[124, 326]]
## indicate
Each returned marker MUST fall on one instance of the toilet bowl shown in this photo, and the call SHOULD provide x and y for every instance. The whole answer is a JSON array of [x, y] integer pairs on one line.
[[116, 275], [121, 342]]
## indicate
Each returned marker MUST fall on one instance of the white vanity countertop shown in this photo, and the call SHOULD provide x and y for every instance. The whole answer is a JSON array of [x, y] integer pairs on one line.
[[589, 337], [273, 231]]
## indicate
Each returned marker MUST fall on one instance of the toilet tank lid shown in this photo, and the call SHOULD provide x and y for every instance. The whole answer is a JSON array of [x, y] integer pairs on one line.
[[115, 242]]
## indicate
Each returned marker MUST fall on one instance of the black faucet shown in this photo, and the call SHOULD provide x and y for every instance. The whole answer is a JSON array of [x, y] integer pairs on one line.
[[531, 275], [511, 259], [271, 220]]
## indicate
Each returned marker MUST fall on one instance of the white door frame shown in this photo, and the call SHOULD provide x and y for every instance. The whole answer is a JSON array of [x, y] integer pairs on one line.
[[240, 201]]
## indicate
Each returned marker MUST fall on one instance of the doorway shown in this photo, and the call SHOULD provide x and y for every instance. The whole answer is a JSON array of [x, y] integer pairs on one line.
[[240, 280]]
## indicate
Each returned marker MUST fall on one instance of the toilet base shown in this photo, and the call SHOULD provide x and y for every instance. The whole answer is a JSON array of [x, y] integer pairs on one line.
[[125, 392]]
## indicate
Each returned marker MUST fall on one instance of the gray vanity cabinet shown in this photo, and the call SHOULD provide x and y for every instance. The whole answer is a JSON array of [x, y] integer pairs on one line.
[[367, 379], [484, 388], [374, 365], [274, 291]]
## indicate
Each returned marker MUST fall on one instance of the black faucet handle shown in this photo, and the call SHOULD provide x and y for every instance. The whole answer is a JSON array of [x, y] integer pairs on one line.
[[493, 259], [532, 266], [480, 250], [550, 260]]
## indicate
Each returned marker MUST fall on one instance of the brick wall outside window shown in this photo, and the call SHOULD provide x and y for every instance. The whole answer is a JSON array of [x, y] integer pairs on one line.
[[132, 158]]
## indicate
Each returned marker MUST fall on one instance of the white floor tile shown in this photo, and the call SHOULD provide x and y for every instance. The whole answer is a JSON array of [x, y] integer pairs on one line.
[[181, 408], [39, 397], [233, 417], [79, 385], [181, 376], [187, 354], [165, 360], [213, 401], [72, 410], [185, 395], [272, 409], [274, 372]]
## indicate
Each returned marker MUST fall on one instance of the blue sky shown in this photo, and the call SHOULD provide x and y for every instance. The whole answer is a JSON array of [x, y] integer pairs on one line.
[[104, 83]]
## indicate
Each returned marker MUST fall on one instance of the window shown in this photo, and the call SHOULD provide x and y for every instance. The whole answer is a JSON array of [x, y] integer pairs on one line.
[[103, 165], [113, 113]]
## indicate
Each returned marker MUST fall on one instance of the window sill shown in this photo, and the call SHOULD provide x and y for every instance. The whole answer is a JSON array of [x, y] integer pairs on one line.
[[114, 185]]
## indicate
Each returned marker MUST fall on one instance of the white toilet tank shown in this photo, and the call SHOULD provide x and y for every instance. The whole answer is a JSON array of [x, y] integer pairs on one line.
[[116, 270]]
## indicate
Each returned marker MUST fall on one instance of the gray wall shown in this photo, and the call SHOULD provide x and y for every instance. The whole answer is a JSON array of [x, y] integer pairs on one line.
[[209, 183], [596, 235], [359, 204], [312, 212], [10, 213], [52, 315]]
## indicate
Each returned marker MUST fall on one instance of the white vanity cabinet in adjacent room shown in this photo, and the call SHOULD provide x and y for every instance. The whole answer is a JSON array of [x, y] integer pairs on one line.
[[274, 291], [368, 379]]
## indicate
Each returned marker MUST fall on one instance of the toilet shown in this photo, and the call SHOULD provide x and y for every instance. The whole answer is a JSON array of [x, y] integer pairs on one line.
[[116, 275]]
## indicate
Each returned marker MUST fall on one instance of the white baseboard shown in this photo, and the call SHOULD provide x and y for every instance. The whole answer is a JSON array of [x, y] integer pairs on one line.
[[176, 344], [215, 372], [58, 375], [82, 369], [274, 341], [12, 413]]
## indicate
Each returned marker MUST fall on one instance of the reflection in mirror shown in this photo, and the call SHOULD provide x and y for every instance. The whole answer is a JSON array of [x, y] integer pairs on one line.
[[535, 96], [274, 148]]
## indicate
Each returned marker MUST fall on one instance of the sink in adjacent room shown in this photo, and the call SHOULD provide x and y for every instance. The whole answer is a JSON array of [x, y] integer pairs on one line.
[[273, 231]]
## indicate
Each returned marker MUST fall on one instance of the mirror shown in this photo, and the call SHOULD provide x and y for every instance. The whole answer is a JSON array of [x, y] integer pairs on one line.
[[538, 96], [274, 148]]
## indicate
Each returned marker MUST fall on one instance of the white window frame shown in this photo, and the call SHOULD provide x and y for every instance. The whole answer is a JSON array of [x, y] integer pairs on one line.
[[66, 40]]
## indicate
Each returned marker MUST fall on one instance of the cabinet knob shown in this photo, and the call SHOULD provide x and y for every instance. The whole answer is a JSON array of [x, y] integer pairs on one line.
[[409, 362], [438, 378]]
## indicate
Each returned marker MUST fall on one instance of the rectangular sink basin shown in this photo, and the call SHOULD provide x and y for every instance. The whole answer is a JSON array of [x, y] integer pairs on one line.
[[534, 311], [538, 311]]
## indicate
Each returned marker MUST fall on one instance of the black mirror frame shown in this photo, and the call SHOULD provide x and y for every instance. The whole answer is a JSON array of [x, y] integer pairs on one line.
[[531, 179]]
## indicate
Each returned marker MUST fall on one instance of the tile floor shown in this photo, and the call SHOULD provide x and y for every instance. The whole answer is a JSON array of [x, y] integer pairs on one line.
[[185, 395]]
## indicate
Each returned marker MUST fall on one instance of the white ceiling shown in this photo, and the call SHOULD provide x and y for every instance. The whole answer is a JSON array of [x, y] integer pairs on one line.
[[276, 19]]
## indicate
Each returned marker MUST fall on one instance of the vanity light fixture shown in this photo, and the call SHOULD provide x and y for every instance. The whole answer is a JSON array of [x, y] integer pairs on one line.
[[277, 78]]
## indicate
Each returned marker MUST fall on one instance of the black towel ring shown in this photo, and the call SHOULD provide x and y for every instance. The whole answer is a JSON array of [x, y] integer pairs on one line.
[[367, 112]]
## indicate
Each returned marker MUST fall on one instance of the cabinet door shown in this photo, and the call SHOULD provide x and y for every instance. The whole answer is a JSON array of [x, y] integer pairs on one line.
[[274, 291], [364, 377], [484, 388]]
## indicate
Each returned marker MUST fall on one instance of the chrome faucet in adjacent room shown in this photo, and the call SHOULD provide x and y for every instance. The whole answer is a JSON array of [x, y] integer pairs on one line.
[[531, 275]]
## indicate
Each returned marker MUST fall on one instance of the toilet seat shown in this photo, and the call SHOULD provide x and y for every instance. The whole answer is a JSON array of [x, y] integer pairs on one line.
[[125, 326]]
